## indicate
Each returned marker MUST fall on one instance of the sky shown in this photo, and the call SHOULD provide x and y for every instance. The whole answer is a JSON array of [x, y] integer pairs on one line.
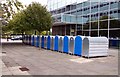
[[27, 2]]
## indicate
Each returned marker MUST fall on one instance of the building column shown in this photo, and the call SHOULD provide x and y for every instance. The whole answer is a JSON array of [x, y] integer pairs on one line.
[[65, 29], [90, 21], [75, 29], [70, 30], [109, 20]]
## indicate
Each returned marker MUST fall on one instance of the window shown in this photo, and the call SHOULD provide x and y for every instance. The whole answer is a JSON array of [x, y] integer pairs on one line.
[[111, 12], [92, 7], [101, 14], [73, 7], [68, 7], [118, 11], [59, 18], [104, 13], [67, 13], [79, 10], [88, 8], [107, 12], [115, 1], [73, 12], [115, 11], [107, 3], [84, 9], [59, 11], [111, 2], [97, 14], [63, 10], [101, 5], [91, 15], [96, 6], [87, 16]]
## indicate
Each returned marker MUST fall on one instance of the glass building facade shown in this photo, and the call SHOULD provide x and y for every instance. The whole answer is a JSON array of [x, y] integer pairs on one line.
[[85, 17]]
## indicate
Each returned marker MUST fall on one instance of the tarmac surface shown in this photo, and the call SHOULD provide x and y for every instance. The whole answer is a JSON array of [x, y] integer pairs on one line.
[[21, 59]]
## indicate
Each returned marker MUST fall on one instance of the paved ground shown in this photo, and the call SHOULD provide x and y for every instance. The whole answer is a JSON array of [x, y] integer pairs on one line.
[[46, 62]]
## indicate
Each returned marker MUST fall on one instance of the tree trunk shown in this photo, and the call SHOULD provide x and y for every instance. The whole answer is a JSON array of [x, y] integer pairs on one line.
[[47, 33], [35, 32], [22, 37], [40, 39], [7, 37]]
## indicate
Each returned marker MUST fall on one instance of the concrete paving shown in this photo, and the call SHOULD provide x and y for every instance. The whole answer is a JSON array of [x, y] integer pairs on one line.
[[47, 62]]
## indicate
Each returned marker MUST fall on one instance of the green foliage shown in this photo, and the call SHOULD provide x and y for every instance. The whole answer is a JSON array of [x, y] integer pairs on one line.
[[18, 23], [43, 33], [34, 18], [10, 8], [38, 17]]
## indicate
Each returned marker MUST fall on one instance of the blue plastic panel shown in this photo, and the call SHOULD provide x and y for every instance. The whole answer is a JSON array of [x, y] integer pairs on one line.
[[42, 42], [29, 39], [78, 46], [65, 44], [32, 40], [48, 42], [56, 43], [38, 41]]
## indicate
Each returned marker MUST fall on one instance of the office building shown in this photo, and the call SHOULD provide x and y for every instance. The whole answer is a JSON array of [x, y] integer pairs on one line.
[[85, 17]]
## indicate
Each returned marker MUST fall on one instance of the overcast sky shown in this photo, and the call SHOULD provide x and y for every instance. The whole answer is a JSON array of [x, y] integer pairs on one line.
[[26, 2]]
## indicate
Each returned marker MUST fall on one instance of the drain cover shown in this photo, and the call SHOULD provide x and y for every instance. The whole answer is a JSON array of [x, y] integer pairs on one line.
[[4, 52], [24, 69]]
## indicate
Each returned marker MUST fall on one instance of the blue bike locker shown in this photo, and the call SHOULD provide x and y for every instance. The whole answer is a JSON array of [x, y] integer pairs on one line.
[[48, 42], [52, 42], [42, 42], [32, 40], [65, 44], [29, 39], [23, 39], [45, 42], [56, 43], [60, 43], [26, 39], [37, 41], [78, 46]]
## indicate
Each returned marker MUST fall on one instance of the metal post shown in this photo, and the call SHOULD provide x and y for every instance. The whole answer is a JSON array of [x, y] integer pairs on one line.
[[70, 30], [65, 29], [75, 29], [65, 19], [109, 19], [98, 18], [82, 20], [90, 20], [70, 16], [76, 18]]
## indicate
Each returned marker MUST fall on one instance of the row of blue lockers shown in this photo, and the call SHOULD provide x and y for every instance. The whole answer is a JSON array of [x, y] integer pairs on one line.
[[114, 43], [64, 44]]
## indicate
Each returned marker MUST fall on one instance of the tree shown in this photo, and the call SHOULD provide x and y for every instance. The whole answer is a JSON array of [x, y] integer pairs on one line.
[[11, 7], [38, 17], [34, 18], [18, 23]]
